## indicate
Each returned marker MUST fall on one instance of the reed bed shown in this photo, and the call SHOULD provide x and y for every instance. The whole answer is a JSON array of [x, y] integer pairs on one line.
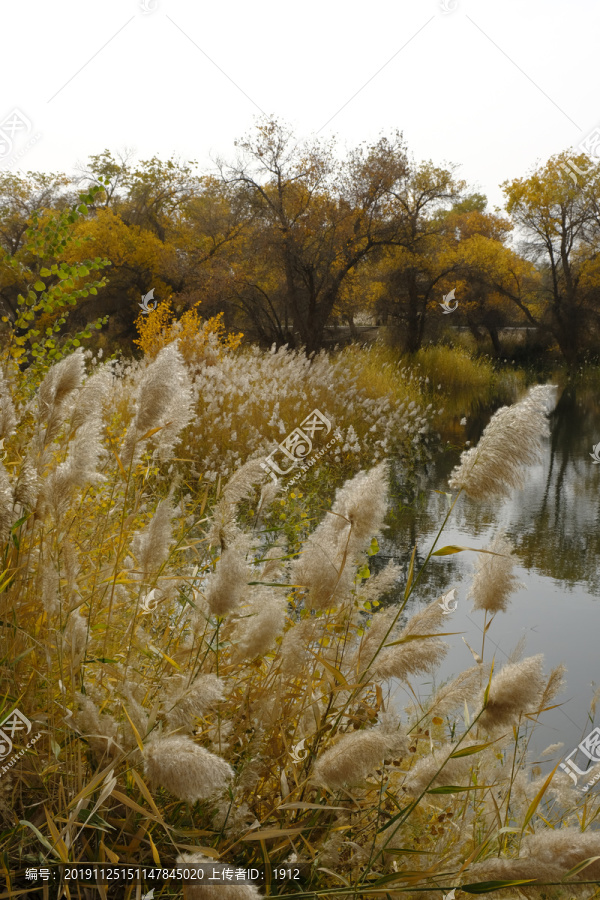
[[199, 698]]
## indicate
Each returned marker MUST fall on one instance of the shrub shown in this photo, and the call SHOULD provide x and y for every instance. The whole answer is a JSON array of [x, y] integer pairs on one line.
[[193, 336]]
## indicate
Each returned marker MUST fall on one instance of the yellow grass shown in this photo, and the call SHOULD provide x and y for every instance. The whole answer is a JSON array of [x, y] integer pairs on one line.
[[112, 643]]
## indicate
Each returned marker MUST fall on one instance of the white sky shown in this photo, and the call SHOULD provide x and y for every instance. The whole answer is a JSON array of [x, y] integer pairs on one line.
[[492, 86]]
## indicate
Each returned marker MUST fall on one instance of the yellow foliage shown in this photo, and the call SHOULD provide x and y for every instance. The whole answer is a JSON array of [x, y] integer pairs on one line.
[[159, 328]]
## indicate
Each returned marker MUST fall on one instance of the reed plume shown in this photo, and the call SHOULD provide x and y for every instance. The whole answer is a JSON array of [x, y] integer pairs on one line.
[[164, 406], [462, 689], [226, 586], [185, 769], [326, 567], [185, 702], [548, 856], [8, 418], [437, 770], [494, 581], [516, 690], [150, 546], [6, 504], [511, 441], [224, 530], [414, 656], [262, 623], [55, 398], [356, 755]]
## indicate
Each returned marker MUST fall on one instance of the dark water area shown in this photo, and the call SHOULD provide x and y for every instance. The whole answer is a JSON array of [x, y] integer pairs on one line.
[[554, 526]]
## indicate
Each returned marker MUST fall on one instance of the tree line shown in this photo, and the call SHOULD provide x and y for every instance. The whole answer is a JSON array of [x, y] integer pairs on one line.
[[288, 237]]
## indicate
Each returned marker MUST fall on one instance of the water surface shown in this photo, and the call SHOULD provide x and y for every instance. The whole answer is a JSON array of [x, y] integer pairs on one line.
[[554, 525]]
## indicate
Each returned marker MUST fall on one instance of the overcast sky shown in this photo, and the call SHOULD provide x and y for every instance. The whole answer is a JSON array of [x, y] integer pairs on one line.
[[492, 86]]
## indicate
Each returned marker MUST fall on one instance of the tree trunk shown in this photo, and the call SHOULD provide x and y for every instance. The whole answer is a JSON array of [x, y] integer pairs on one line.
[[493, 333], [353, 332]]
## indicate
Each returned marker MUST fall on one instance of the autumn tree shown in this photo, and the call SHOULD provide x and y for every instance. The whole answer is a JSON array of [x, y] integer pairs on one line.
[[557, 218], [315, 220], [419, 254], [20, 197], [162, 227], [52, 285], [478, 244]]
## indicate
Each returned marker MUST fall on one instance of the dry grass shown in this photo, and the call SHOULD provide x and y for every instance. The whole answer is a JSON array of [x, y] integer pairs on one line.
[[173, 670], [467, 382]]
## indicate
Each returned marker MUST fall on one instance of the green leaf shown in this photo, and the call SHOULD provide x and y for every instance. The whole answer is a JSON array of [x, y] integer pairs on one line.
[[455, 789], [86, 815], [44, 272], [82, 209], [39, 836], [18, 658], [411, 572], [535, 802], [420, 637], [374, 548], [19, 522], [468, 751], [582, 865], [486, 887], [486, 695], [454, 548]]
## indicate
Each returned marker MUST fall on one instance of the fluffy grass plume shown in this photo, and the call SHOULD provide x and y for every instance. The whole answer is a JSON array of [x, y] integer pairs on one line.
[[198, 687], [185, 769], [511, 441], [494, 581]]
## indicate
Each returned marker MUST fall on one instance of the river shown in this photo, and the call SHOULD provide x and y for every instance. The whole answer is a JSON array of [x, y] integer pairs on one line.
[[554, 525]]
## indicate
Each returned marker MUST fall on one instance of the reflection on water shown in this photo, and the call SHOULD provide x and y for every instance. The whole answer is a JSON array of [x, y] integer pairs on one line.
[[553, 524], [562, 538]]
